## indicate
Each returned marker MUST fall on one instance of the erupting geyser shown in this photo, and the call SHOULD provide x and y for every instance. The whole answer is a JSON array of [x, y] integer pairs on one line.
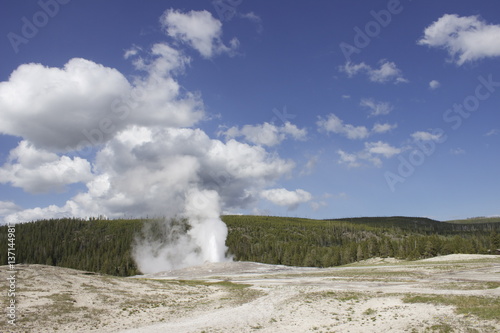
[[199, 238]]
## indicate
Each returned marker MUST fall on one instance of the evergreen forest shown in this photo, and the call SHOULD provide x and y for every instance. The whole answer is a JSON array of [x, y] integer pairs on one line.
[[105, 246]]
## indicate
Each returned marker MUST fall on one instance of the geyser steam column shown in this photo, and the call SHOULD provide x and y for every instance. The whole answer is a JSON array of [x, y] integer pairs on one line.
[[170, 245], [208, 231]]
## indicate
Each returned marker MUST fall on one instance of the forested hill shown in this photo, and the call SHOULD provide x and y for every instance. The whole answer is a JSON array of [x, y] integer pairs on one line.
[[477, 220], [422, 224], [105, 245]]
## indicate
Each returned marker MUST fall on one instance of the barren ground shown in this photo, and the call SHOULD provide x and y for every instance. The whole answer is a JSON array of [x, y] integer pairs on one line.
[[455, 293]]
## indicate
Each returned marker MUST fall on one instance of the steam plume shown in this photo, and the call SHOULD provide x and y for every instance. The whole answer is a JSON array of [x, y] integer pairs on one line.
[[197, 237]]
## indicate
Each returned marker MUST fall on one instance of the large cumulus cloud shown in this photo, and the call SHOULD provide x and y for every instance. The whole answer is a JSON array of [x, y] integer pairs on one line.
[[132, 141]]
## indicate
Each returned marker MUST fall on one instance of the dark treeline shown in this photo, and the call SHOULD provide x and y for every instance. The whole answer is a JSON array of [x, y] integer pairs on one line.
[[105, 246], [302, 242], [102, 246]]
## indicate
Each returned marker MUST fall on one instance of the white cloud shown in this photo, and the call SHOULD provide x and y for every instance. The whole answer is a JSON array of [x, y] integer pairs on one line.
[[387, 72], [8, 208], [377, 108], [51, 106], [434, 84], [425, 136], [381, 148], [86, 104], [371, 153], [316, 205], [465, 38], [199, 29], [492, 132], [37, 171], [283, 197], [334, 124], [147, 159], [147, 171], [251, 16], [382, 128], [131, 52], [310, 165], [265, 134], [352, 69], [350, 159], [457, 151]]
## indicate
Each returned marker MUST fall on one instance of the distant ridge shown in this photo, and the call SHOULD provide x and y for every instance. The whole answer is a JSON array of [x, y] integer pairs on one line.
[[403, 222], [474, 220]]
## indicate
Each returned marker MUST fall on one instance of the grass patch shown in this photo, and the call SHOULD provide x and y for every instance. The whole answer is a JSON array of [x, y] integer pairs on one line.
[[442, 328], [369, 312], [240, 293], [467, 285], [482, 307], [341, 296]]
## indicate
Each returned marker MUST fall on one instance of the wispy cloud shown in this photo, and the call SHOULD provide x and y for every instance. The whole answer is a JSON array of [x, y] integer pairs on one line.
[[382, 128], [387, 72], [425, 136], [376, 108], [457, 151], [492, 132], [334, 124], [372, 153], [265, 134], [251, 16]]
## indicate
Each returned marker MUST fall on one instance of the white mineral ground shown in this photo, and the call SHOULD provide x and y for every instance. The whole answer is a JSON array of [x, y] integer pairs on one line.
[[364, 297]]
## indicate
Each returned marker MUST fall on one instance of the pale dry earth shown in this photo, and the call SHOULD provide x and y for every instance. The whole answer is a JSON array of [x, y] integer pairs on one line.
[[252, 297]]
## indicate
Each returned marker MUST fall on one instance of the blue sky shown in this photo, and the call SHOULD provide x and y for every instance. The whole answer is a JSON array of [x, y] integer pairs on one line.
[[320, 109]]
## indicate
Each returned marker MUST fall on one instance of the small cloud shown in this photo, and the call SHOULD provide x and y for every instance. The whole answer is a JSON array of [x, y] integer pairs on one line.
[[376, 108], [425, 136], [492, 132], [284, 197], [133, 51], [341, 195], [434, 84], [251, 16], [350, 159], [382, 128], [265, 134], [381, 148], [465, 38], [371, 153], [346, 96], [310, 165], [8, 207], [387, 72], [198, 29], [315, 205], [457, 151], [334, 124]]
